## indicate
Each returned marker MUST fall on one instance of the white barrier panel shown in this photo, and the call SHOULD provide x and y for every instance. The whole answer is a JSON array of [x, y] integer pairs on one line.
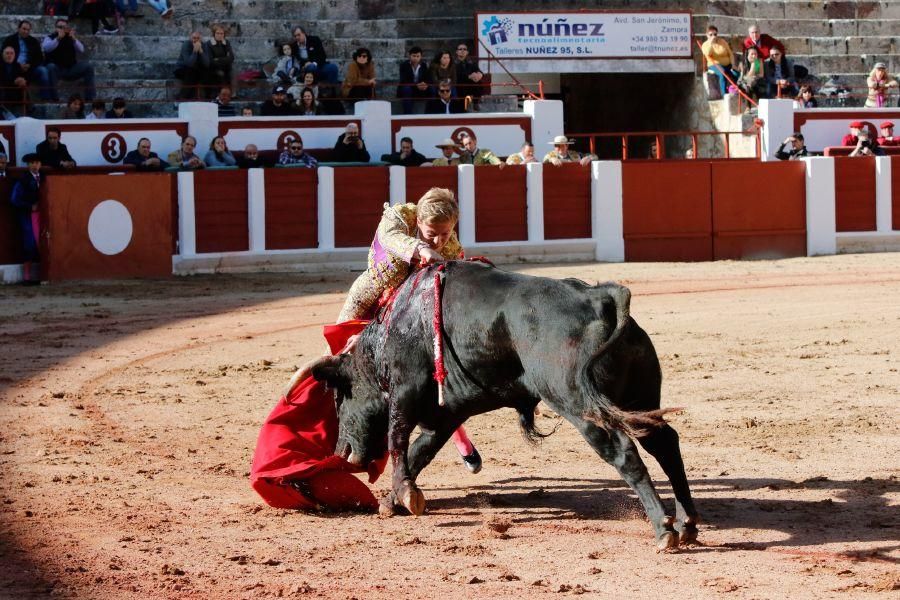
[[273, 133], [8, 140], [821, 218]]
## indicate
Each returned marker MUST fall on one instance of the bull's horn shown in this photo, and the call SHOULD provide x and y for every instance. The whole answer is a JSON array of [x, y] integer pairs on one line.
[[355, 460]]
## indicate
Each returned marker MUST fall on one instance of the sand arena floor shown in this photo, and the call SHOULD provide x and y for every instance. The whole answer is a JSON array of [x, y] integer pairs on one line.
[[130, 412]]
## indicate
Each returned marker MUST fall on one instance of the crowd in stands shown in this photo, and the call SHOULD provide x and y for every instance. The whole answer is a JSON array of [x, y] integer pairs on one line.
[[765, 71], [205, 66]]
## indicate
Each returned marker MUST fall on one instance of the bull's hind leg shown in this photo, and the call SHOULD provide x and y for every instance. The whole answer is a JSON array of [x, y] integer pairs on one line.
[[662, 444], [617, 449]]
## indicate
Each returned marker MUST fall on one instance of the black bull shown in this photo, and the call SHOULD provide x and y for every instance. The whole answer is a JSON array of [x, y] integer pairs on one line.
[[510, 340]]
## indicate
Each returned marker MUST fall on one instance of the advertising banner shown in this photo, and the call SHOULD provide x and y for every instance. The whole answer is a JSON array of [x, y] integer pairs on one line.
[[585, 35]]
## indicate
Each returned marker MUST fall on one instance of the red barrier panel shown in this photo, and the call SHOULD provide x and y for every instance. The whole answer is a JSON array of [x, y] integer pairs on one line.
[[895, 194], [359, 197], [10, 235], [667, 210], [291, 209], [419, 180], [220, 210], [107, 226], [567, 202], [854, 193], [500, 204], [759, 225]]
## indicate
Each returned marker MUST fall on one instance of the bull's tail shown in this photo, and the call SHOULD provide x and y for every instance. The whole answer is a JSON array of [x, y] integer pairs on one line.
[[600, 408]]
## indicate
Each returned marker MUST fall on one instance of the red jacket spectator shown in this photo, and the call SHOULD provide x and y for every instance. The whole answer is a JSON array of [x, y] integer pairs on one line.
[[887, 137], [762, 42], [851, 138]]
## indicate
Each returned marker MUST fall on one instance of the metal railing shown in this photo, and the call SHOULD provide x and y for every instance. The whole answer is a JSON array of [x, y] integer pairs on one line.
[[658, 142]]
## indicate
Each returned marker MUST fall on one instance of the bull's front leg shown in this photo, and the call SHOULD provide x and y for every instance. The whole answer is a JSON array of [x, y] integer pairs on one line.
[[405, 492]]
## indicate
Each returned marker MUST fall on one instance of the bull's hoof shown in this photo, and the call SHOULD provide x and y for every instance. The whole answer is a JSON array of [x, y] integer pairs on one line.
[[667, 540], [689, 532], [387, 508], [411, 497]]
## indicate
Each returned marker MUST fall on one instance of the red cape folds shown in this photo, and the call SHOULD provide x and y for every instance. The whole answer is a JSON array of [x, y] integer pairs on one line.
[[297, 442]]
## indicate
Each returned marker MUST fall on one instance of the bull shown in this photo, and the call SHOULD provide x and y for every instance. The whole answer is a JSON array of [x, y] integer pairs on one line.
[[510, 340]]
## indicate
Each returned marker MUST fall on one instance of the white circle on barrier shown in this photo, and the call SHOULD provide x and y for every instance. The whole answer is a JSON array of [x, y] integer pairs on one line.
[[110, 227]]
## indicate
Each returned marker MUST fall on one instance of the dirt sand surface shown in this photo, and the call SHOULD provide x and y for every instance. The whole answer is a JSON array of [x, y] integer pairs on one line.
[[130, 413]]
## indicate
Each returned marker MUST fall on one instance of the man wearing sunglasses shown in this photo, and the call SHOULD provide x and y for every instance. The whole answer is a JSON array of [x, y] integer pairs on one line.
[[468, 75], [444, 104], [294, 155]]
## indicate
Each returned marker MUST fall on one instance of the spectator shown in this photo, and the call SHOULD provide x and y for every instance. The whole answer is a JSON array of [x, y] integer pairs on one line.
[[221, 59], [448, 148], [30, 57], [98, 110], [762, 42], [308, 106], [97, 11], [442, 68], [4, 162], [62, 48], [294, 155], [13, 83], [218, 154], [143, 159], [24, 198], [414, 80], [74, 108], [406, 157], [193, 67], [887, 135], [851, 138], [780, 82], [118, 110], [184, 157], [753, 77], [310, 81], [797, 148], [561, 153], [719, 58], [223, 103], [360, 80], [523, 156], [866, 147], [350, 147], [468, 75], [444, 104], [247, 111], [309, 51], [251, 158], [806, 98], [473, 155], [277, 105], [287, 69], [53, 153], [878, 83]]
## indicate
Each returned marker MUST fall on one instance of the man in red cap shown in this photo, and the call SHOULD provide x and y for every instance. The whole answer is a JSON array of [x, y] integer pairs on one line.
[[887, 135], [851, 138]]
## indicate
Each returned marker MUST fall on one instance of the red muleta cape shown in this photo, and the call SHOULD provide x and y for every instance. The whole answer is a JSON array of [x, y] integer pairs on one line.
[[297, 442]]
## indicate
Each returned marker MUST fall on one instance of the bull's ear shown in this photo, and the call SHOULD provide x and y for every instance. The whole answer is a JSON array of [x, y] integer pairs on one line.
[[333, 370]]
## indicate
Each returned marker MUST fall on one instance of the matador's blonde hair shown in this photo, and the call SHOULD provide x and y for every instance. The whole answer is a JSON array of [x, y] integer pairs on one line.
[[437, 205]]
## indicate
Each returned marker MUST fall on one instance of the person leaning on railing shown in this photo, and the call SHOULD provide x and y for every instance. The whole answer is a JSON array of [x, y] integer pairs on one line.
[[184, 157], [471, 154], [878, 82], [218, 154], [780, 79], [468, 73], [294, 155], [806, 98], [561, 153], [360, 80], [143, 159], [719, 58], [524, 156]]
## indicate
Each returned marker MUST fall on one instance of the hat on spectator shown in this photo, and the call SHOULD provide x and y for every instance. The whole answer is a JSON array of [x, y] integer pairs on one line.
[[561, 139], [880, 65], [887, 125], [857, 124], [279, 89], [446, 143]]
